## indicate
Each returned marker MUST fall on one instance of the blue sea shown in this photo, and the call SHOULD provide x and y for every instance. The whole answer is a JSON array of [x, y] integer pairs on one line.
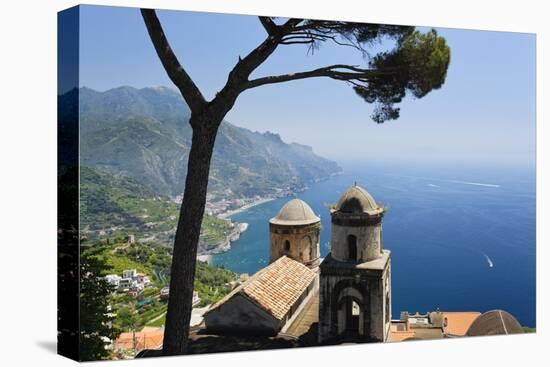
[[462, 237]]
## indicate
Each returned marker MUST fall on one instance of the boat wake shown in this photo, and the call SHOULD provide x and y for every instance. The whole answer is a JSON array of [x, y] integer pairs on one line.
[[475, 183], [450, 181], [489, 261]]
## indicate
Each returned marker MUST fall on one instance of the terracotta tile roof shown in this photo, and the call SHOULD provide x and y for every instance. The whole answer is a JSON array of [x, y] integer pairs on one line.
[[427, 333], [399, 336], [457, 323], [149, 339], [276, 287]]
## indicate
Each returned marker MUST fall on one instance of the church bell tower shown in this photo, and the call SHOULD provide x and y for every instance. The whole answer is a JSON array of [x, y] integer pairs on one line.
[[355, 277], [295, 232]]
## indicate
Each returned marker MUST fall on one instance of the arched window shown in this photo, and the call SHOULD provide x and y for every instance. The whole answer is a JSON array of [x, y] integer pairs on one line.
[[287, 246], [352, 247], [309, 249]]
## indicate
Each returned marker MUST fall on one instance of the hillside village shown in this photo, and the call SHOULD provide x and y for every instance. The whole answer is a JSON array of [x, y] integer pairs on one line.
[[131, 282]]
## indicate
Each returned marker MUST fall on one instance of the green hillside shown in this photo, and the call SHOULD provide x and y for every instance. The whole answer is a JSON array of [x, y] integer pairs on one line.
[[117, 206], [211, 282], [144, 134]]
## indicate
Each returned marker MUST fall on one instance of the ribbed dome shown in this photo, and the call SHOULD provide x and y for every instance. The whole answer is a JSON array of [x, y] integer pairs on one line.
[[357, 200], [494, 322], [295, 212]]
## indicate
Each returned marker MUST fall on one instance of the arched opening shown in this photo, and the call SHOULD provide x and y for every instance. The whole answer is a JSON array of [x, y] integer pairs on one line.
[[352, 248], [308, 247], [353, 317], [287, 246], [350, 312]]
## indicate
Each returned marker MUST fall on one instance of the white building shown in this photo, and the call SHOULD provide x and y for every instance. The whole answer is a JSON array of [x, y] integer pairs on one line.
[[143, 279], [113, 279], [131, 273], [126, 283], [132, 281], [196, 298], [164, 293]]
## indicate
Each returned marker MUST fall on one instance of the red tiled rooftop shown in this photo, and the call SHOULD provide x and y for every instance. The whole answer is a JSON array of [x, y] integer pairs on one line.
[[276, 287], [148, 339]]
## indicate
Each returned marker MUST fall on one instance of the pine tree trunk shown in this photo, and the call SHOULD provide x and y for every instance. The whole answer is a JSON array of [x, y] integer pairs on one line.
[[187, 234]]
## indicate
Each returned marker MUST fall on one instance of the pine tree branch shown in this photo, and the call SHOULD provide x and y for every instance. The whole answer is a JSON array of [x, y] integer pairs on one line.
[[237, 80], [187, 87], [238, 76], [290, 24], [351, 73], [303, 42], [269, 26]]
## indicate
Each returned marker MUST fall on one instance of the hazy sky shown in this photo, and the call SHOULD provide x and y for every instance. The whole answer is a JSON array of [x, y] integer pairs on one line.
[[485, 111]]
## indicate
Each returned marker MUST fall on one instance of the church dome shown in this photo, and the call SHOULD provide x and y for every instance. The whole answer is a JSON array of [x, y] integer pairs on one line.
[[494, 322], [356, 200], [295, 212]]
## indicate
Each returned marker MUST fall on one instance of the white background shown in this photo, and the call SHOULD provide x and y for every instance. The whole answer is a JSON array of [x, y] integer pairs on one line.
[[28, 181]]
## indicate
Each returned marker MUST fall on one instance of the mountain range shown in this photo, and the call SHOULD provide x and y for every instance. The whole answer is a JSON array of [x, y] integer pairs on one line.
[[144, 134]]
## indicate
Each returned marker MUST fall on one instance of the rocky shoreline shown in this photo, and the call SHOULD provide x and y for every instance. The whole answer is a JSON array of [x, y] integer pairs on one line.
[[238, 228], [226, 244]]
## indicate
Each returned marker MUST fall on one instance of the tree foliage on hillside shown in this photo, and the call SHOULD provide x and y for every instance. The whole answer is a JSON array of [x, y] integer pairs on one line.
[[108, 201], [211, 282], [96, 329], [416, 64]]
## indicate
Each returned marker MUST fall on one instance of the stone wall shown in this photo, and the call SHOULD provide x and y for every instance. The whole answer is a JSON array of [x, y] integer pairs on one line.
[[368, 239], [239, 316], [300, 243]]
